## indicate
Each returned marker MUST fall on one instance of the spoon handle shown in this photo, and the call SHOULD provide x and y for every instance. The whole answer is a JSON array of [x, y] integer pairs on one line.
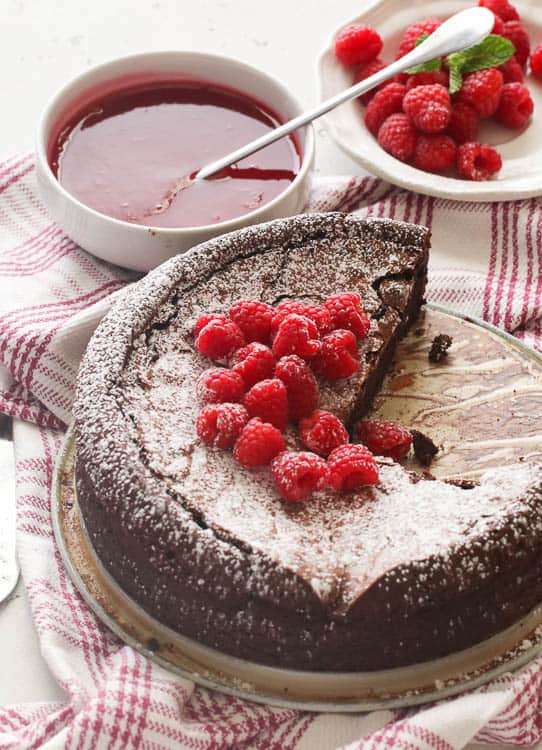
[[460, 31]]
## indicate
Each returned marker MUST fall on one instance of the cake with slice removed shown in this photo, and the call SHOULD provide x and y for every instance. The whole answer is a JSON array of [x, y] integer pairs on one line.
[[379, 577]]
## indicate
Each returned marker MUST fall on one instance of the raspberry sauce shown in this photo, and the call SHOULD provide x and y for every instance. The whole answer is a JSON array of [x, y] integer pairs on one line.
[[125, 153]]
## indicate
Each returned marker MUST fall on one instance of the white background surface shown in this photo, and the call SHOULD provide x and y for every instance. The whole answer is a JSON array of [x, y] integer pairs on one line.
[[45, 42]]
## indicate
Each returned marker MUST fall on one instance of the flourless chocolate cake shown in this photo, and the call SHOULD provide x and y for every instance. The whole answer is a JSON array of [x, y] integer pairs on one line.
[[380, 577]]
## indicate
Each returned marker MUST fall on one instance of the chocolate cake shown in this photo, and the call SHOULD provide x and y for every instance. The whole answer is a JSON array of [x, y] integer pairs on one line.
[[406, 571]]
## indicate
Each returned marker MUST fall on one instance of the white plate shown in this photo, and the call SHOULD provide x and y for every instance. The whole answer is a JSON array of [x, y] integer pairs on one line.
[[521, 174]]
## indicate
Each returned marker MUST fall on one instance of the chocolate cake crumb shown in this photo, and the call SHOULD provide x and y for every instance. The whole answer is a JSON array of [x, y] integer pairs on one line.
[[465, 484], [424, 448], [439, 347]]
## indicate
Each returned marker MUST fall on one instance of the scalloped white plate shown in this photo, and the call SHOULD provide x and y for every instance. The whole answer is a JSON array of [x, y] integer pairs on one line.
[[521, 175]]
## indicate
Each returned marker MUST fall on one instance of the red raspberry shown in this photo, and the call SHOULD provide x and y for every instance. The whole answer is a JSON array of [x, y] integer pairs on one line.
[[258, 443], [498, 26], [429, 107], [365, 71], [352, 297], [511, 70], [384, 438], [218, 385], [268, 400], [434, 153], [318, 315], [346, 313], [427, 78], [536, 61], [322, 431], [300, 384], [253, 362], [338, 357], [357, 44], [296, 334], [384, 103], [219, 339], [298, 474], [219, 425], [464, 123], [477, 162], [397, 136], [351, 466], [414, 32], [501, 8], [482, 90], [516, 106], [253, 318], [207, 318], [516, 33]]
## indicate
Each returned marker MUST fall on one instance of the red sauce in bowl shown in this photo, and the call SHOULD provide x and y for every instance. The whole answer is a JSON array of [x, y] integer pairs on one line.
[[125, 153]]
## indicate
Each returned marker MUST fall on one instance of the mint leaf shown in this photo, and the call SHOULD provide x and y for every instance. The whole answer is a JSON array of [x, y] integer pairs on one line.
[[429, 67], [489, 53], [456, 79]]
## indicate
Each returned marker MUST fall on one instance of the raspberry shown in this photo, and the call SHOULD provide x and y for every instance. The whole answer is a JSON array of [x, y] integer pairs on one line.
[[346, 313], [253, 318], [258, 443], [219, 425], [516, 33], [511, 70], [322, 431], [414, 32], [338, 357], [434, 153], [397, 136], [207, 318], [464, 123], [365, 71], [384, 438], [536, 61], [498, 26], [427, 78], [352, 297], [253, 362], [318, 315], [501, 8], [429, 107], [384, 103], [516, 106], [296, 334], [477, 162], [298, 474], [218, 385], [301, 385], [482, 90], [268, 400], [357, 44], [351, 466], [219, 339]]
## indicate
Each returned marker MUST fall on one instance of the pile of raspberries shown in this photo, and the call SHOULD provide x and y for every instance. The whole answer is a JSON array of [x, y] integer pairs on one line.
[[270, 357], [414, 117]]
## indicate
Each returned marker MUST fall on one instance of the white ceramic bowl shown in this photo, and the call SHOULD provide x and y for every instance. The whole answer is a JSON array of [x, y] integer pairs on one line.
[[521, 174], [143, 247]]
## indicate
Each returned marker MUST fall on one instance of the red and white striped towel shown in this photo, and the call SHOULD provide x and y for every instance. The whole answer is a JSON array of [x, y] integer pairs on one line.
[[487, 261]]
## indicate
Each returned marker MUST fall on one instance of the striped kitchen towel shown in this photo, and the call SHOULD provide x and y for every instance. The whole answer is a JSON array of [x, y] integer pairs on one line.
[[486, 261]]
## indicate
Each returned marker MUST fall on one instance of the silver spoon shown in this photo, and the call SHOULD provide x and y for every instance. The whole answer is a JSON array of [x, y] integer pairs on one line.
[[462, 30]]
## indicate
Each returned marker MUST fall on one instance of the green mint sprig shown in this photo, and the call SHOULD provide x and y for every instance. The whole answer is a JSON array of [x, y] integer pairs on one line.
[[491, 52]]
